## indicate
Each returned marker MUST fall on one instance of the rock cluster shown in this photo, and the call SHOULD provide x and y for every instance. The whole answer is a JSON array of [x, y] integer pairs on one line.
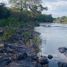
[[15, 53], [17, 56]]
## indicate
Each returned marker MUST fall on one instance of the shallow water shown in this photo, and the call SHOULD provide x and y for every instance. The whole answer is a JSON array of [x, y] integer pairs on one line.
[[53, 37]]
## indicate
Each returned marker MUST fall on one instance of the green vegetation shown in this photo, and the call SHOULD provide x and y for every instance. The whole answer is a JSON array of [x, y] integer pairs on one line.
[[37, 40]]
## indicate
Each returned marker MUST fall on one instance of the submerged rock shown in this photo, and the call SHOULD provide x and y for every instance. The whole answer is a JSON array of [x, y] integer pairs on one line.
[[43, 60], [62, 49], [50, 56]]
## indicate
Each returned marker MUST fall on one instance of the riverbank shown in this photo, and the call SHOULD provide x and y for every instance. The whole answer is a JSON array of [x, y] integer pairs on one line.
[[21, 49], [16, 56]]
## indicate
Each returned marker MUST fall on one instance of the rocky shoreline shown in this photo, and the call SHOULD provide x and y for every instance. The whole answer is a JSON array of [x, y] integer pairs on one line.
[[16, 52], [16, 56]]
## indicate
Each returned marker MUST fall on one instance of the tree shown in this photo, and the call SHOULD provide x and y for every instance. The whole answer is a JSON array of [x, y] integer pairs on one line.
[[4, 12], [31, 5], [25, 6]]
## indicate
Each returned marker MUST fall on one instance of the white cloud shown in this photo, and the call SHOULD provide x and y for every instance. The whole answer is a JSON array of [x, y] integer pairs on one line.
[[57, 7], [4, 1]]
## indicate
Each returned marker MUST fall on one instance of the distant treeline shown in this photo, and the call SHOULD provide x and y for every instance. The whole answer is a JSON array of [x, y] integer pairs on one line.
[[62, 19]]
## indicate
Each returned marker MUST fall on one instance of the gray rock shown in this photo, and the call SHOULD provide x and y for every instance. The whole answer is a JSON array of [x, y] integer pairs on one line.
[[4, 61], [50, 56], [62, 49], [43, 60]]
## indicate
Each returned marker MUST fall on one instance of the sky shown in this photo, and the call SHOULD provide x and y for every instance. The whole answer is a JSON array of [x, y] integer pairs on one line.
[[57, 8]]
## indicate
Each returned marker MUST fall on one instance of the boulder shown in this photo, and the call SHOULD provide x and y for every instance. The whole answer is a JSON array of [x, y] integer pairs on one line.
[[4, 61], [62, 49], [16, 37], [50, 56], [43, 60], [34, 58], [22, 56]]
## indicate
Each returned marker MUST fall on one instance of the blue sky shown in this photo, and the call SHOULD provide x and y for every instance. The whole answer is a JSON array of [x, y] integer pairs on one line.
[[55, 7]]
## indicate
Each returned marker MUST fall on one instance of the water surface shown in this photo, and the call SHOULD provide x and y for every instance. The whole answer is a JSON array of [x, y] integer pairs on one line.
[[53, 37]]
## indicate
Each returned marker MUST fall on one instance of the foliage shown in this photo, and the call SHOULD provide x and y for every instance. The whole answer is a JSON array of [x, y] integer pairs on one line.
[[15, 20], [28, 16], [37, 42], [4, 12], [8, 33], [11, 22], [44, 18], [29, 5]]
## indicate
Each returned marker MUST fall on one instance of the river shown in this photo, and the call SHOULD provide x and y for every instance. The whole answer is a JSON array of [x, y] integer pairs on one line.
[[53, 36]]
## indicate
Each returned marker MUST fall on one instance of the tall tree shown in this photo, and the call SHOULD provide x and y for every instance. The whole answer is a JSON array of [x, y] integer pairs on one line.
[[32, 5]]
